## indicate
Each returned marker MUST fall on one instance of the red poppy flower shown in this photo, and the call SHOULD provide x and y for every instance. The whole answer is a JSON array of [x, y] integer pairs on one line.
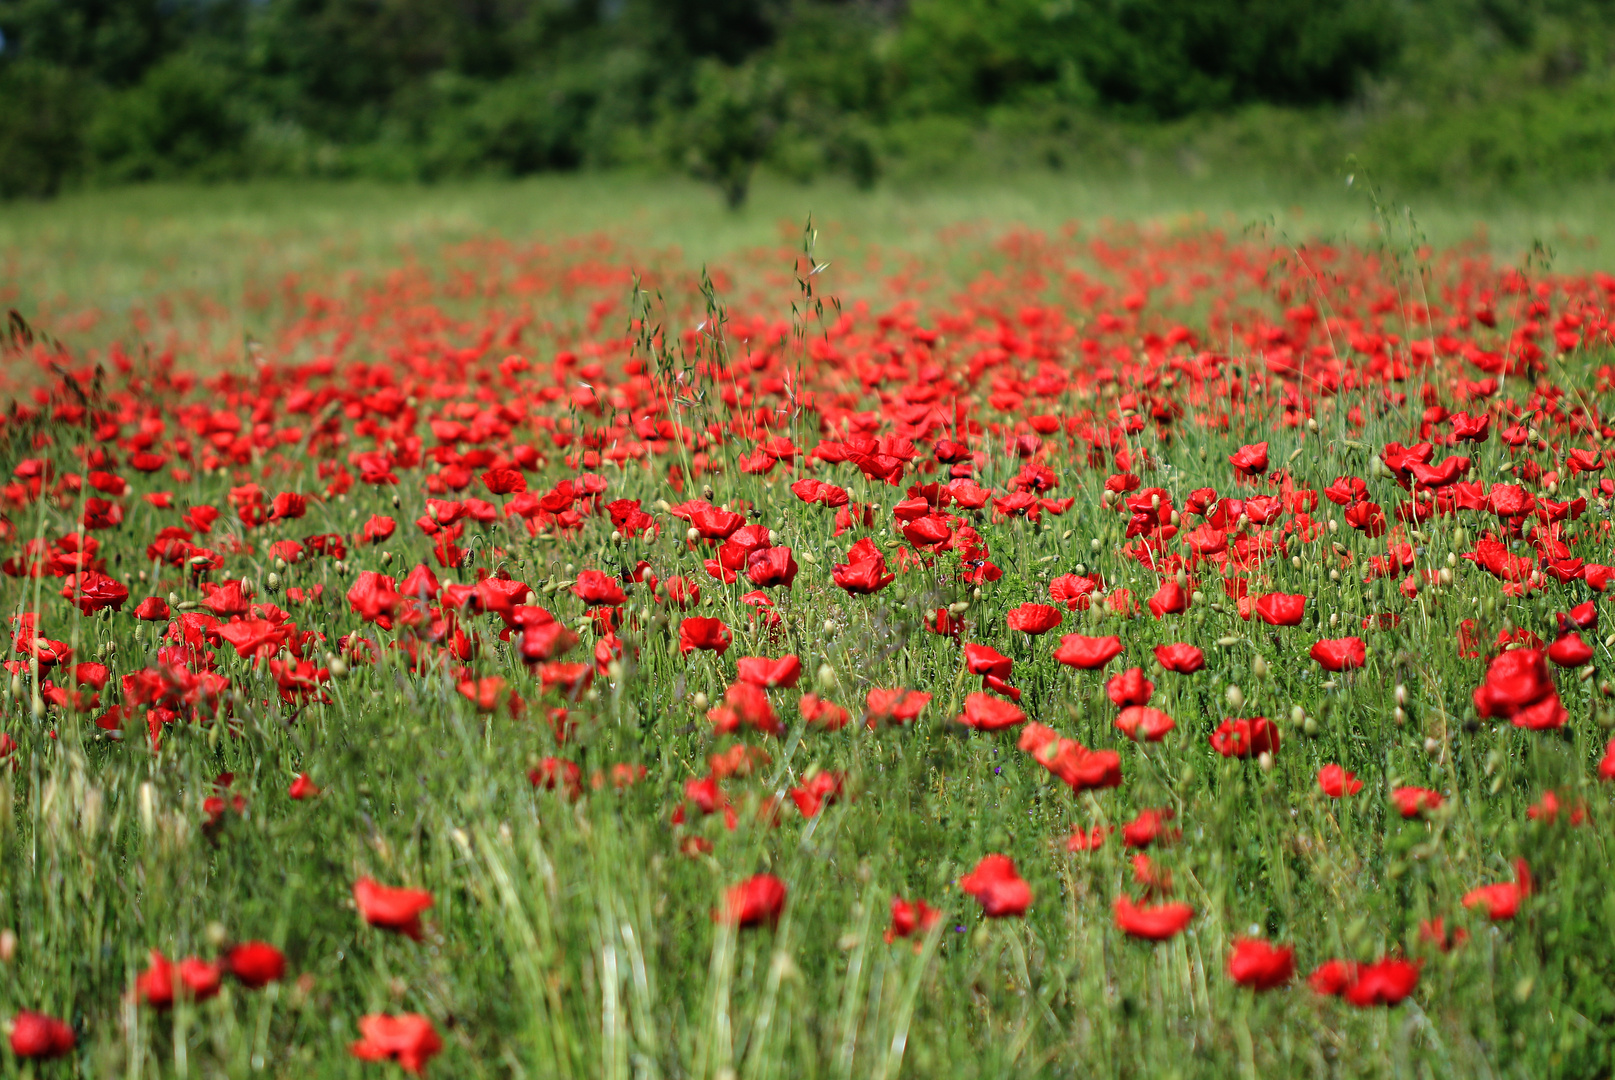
[[1086, 839], [1081, 768], [1259, 965], [408, 1039], [1281, 609], [1141, 721], [771, 566], [91, 591], [1519, 688], [985, 660], [152, 609], [483, 693], [1337, 783], [819, 713], [1157, 922], [864, 571], [1434, 931], [1413, 801], [1182, 658], [753, 902], [1386, 982], [909, 918], [895, 706], [1033, 619], [697, 632], [1170, 599], [1250, 460], [155, 985], [819, 791], [595, 588], [200, 978], [997, 887], [1606, 765], [255, 963], [1340, 654], [1569, 651], [1502, 901], [1245, 737], [987, 713], [34, 1035], [1149, 827], [398, 910], [557, 774], [1129, 688], [1087, 653], [769, 673]]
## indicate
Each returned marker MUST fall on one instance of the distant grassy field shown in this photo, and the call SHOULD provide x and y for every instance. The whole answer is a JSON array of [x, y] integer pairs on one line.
[[124, 246]]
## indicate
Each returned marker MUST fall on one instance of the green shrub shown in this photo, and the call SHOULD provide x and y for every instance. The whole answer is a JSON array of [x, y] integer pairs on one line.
[[42, 114], [181, 119]]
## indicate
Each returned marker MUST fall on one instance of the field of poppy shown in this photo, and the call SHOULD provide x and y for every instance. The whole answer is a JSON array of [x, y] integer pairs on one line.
[[1143, 651]]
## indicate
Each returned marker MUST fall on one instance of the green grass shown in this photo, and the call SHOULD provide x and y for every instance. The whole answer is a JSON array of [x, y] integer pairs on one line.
[[121, 249], [574, 939]]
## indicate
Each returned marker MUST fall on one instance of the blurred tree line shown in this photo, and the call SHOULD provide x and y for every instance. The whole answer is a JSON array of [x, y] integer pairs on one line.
[[107, 91]]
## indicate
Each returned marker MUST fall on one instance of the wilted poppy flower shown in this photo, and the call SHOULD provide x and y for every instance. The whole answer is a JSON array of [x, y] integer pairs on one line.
[[997, 887], [697, 632], [1340, 654], [1181, 658], [987, 713], [753, 902], [408, 1039], [1281, 609], [1502, 901], [1412, 801], [255, 963], [1141, 721], [1087, 653], [1157, 922], [1337, 783], [1259, 965], [1245, 737], [907, 918], [34, 1035], [1129, 688], [1033, 619], [391, 909]]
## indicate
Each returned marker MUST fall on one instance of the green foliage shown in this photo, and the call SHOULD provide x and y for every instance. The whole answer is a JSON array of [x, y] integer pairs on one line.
[[43, 109], [729, 126], [181, 119], [426, 89]]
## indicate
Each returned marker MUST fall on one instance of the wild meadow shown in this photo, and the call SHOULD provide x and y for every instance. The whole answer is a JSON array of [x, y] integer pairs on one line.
[[1151, 648]]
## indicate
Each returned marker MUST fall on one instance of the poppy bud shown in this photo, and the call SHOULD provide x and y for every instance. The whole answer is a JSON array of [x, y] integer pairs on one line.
[[1235, 697]]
